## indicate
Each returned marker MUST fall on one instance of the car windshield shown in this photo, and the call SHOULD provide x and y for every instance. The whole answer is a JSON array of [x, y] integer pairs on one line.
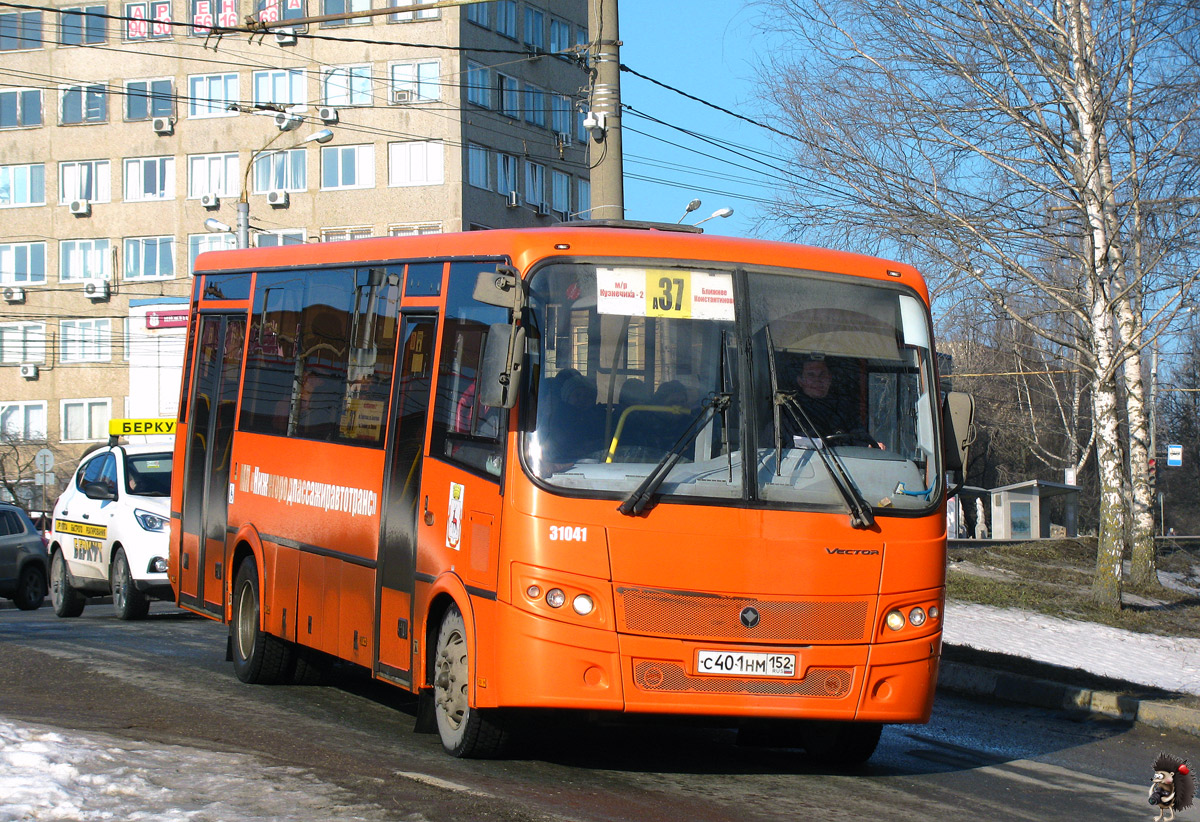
[[148, 475], [633, 362]]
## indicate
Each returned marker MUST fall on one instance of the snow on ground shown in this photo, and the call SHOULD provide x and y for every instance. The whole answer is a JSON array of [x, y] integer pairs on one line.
[[46, 775], [1172, 663]]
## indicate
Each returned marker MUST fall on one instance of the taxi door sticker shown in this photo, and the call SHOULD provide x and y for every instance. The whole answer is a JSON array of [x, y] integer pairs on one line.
[[454, 517]]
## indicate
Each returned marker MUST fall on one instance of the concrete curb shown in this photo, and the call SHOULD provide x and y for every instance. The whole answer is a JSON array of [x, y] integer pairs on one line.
[[1043, 693]]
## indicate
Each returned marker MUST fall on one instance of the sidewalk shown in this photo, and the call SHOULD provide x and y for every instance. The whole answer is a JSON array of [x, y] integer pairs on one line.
[[1139, 677]]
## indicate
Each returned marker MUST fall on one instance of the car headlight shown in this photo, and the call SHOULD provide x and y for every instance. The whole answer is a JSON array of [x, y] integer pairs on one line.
[[149, 521]]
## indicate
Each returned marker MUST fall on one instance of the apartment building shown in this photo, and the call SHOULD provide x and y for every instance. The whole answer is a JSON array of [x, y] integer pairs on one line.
[[129, 131]]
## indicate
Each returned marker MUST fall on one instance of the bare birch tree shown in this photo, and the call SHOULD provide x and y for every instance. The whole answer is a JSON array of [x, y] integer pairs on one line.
[[1008, 148]]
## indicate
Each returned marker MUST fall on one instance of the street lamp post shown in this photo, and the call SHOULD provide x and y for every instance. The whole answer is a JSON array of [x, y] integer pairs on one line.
[[243, 203]]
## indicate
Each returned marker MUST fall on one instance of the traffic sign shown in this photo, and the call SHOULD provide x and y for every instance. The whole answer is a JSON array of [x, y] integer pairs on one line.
[[1174, 455], [44, 460]]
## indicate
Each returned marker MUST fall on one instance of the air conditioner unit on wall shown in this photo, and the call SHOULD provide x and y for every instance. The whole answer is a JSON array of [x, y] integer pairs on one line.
[[29, 371], [13, 294], [402, 95], [328, 115], [80, 208], [542, 209], [279, 199], [96, 290], [285, 37], [513, 200], [210, 201], [163, 125], [562, 139]]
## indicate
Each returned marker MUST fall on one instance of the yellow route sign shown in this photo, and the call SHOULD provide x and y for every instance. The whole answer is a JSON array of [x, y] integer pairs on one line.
[[129, 427]]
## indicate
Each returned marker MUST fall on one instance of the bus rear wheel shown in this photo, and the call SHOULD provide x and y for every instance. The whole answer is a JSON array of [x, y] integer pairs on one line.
[[258, 657], [465, 731]]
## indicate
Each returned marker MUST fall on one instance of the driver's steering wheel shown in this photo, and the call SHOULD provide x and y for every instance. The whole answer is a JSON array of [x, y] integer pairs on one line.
[[861, 438]]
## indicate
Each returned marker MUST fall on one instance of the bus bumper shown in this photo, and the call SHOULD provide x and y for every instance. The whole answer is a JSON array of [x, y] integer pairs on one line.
[[552, 664]]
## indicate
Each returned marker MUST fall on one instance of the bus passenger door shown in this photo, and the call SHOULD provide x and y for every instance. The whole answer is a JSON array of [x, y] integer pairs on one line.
[[402, 482], [212, 417]]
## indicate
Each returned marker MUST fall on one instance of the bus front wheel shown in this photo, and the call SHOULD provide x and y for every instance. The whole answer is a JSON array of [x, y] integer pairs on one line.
[[258, 657], [465, 731]]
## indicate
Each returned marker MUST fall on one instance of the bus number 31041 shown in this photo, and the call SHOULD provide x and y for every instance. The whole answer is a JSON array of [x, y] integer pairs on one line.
[[568, 533]]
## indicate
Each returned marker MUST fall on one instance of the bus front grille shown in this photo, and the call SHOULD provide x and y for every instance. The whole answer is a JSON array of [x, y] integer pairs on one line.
[[651, 675], [709, 616]]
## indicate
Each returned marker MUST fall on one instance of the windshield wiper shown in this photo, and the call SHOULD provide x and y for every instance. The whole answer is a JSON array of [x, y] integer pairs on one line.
[[640, 499], [860, 510]]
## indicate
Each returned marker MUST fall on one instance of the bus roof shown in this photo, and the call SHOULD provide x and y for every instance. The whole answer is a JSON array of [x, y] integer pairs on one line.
[[526, 246]]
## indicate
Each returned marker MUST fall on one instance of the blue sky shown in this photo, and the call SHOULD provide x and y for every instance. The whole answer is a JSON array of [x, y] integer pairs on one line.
[[708, 52]]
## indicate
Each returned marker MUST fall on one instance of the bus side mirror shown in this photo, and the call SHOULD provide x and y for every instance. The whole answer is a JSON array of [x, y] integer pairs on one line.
[[500, 370], [502, 287], [958, 418]]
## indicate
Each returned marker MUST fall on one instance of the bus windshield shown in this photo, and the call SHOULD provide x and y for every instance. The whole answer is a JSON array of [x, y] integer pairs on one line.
[[822, 376]]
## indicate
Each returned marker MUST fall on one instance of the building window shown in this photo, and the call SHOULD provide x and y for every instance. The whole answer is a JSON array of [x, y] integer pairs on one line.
[[20, 31], [23, 420], [213, 174], [479, 14], [477, 166], [20, 108], [535, 183], [199, 243], [211, 95], [479, 85], [85, 420], [348, 167], [22, 342], [22, 185], [583, 194], [345, 7], [89, 180], [508, 99], [560, 193], [84, 104], [149, 178], [82, 25], [506, 173], [416, 163], [336, 235], [22, 263], [149, 258], [535, 106], [417, 82], [148, 21], [274, 11], [281, 171], [414, 229], [85, 340], [535, 29], [282, 236], [506, 18], [203, 11], [409, 16], [149, 98], [282, 87], [560, 114], [561, 42], [83, 260], [346, 86]]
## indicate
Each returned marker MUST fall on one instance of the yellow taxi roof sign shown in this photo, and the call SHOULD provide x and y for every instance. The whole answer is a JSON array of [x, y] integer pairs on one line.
[[130, 427]]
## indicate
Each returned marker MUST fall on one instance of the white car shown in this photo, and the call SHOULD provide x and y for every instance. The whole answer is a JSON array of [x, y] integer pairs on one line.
[[110, 531]]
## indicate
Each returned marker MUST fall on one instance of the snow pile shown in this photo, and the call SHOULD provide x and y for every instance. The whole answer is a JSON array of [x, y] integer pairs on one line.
[[55, 776], [1171, 663]]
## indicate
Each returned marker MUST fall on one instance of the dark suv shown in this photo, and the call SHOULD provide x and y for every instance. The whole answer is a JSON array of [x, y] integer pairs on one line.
[[24, 562]]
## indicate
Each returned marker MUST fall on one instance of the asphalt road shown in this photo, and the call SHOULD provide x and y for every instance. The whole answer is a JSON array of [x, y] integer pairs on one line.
[[165, 680]]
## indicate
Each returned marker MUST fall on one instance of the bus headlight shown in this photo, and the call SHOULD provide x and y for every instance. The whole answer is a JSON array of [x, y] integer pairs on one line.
[[555, 598], [917, 617], [533, 592], [895, 620], [933, 612], [583, 604]]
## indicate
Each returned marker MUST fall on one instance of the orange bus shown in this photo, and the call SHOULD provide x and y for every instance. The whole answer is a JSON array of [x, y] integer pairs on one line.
[[573, 468]]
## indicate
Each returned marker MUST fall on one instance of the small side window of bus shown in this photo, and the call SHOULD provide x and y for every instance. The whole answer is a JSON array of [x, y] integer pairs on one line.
[[226, 286], [423, 280], [464, 431]]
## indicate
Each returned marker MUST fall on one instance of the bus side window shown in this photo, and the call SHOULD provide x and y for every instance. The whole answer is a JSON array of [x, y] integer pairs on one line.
[[464, 431]]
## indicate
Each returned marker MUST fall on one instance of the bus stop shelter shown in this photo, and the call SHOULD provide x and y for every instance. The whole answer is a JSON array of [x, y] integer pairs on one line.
[[1024, 510]]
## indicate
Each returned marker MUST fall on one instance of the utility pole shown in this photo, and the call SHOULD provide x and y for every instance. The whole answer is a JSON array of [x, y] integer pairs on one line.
[[604, 119]]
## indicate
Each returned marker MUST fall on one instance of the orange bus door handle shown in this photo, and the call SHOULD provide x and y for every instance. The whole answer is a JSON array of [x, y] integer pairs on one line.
[[428, 513]]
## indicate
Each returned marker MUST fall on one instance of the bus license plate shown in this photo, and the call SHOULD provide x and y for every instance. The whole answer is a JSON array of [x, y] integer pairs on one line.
[[732, 663]]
